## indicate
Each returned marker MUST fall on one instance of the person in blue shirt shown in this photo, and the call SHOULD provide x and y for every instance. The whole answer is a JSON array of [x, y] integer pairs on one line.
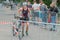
[[43, 9]]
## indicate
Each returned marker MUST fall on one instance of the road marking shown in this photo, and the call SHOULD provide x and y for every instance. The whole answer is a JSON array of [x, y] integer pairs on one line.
[[5, 22]]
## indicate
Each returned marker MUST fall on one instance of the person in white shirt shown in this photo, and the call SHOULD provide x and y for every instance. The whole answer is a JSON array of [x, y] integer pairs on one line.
[[25, 2], [35, 7]]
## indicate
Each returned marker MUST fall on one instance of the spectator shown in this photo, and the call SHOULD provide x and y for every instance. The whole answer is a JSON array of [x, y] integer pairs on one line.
[[35, 7], [29, 5], [43, 9], [25, 2], [30, 8], [53, 11]]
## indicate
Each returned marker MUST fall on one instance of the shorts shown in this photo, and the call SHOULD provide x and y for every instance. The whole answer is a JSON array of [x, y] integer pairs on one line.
[[25, 18]]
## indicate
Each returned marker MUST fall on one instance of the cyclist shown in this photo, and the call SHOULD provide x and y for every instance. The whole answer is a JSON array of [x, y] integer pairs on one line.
[[25, 11]]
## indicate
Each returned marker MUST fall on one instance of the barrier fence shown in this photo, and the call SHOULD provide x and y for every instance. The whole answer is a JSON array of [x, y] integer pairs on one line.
[[37, 17], [42, 16]]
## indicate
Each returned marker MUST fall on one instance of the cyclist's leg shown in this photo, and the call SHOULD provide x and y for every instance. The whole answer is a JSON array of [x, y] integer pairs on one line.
[[27, 24]]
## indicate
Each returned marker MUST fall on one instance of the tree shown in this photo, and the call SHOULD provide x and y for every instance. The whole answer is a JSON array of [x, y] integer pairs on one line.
[[47, 2], [58, 2]]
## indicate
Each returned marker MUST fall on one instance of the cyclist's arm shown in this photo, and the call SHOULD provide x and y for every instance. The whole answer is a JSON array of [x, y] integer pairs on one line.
[[19, 10]]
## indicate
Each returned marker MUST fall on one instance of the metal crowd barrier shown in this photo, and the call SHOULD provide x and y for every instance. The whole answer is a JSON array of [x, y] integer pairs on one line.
[[41, 16]]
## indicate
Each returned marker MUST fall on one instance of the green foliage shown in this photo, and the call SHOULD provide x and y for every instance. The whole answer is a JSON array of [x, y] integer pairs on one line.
[[47, 2], [58, 2], [31, 1], [1, 0]]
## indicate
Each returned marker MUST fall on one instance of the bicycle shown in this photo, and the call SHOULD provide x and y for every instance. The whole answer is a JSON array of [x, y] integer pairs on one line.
[[17, 28]]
